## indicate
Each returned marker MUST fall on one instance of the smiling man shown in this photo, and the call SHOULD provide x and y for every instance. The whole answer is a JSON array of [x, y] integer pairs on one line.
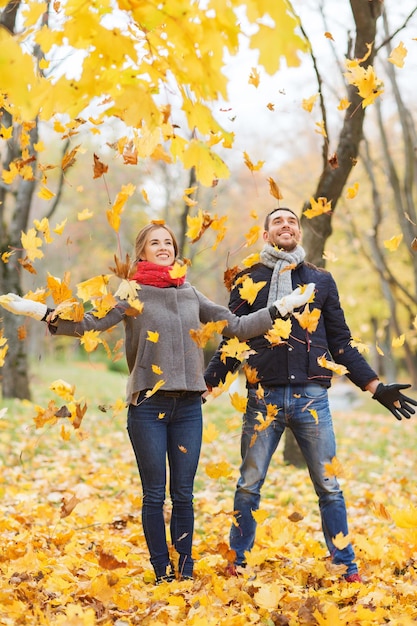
[[290, 380]]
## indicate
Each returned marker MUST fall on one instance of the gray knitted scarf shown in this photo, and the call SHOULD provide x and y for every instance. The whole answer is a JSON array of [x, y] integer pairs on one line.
[[279, 261]]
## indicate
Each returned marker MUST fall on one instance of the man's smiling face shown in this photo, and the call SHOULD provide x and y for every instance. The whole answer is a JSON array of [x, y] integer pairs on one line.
[[284, 230]]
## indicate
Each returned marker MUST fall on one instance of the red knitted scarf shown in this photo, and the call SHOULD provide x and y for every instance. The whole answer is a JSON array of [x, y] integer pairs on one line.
[[156, 275]]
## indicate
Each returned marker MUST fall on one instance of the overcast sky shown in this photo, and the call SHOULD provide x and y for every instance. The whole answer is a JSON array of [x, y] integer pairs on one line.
[[257, 127]]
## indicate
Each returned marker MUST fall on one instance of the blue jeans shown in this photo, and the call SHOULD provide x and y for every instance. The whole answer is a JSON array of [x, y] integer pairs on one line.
[[162, 427], [315, 437]]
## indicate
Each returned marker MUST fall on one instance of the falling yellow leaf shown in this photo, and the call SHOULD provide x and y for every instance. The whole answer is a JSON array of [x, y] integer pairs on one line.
[[222, 469], [397, 342], [177, 270], [308, 103], [225, 385], [155, 388], [352, 191], [238, 402], [369, 86], [235, 349], [44, 228], [93, 287], [260, 516], [198, 224], [251, 374], [320, 129], [265, 421], [252, 236], [249, 290], [398, 55], [114, 214], [251, 166], [90, 340], [84, 215], [393, 243], [153, 336], [210, 433], [31, 243], [318, 207], [341, 370], [59, 228], [360, 345], [206, 332], [6, 256], [251, 259], [314, 414], [344, 104], [341, 541], [157, 370], [379, 350], [3, 348], [280, 330], [63, 389], [334, 468], [274, 189], [254, 77], [45, 194], [308, 319]]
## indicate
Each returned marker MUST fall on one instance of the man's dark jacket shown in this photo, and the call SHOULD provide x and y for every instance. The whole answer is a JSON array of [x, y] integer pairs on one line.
[[295, 360]]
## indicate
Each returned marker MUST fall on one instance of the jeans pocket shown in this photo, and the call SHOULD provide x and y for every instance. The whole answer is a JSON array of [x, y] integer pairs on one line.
[[313, 391]]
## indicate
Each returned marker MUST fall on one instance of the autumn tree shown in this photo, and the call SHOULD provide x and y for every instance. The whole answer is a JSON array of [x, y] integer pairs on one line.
[[128, 69]]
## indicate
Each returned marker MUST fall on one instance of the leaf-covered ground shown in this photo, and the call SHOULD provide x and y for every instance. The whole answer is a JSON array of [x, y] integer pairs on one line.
[[72, 550]]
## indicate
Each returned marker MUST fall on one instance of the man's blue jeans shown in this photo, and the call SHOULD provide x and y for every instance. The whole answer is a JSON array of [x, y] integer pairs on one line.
[[305, 410], [162, 427]]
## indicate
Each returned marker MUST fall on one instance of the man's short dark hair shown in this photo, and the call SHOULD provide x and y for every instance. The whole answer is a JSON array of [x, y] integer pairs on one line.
[[279, 208]]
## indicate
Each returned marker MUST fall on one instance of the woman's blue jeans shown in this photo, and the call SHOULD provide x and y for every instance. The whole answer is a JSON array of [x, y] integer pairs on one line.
[[167, 427], [305, 410]]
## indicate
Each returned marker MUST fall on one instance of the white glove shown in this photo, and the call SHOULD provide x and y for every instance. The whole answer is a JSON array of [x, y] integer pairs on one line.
[[297, 298], [20, 306]]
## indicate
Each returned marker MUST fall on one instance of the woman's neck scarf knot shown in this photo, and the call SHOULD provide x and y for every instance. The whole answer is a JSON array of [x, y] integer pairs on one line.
[[148, 273], [281, 263]]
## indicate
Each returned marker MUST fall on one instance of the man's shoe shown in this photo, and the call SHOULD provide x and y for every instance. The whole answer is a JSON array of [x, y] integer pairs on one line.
[[354, 578], [168, 577]]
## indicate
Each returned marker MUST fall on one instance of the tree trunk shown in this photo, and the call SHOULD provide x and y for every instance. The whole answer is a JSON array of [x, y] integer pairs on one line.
[[333, 179]]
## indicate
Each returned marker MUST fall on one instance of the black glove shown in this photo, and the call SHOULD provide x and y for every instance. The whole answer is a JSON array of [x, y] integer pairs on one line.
[[388, 395]]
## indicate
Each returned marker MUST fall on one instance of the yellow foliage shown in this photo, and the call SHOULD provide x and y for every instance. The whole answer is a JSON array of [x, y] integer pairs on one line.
[[398, 55], [280, 330], [31, 242], [337, 368], [393, 243], [319, 206], [238, 402], [308, 319], [90, 340], [235, 349], [206, 332], [369, 86], [153, 336], [249, 290]]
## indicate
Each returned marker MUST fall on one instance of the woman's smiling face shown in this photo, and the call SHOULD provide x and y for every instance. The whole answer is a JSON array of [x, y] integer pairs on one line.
[[159, 248]]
